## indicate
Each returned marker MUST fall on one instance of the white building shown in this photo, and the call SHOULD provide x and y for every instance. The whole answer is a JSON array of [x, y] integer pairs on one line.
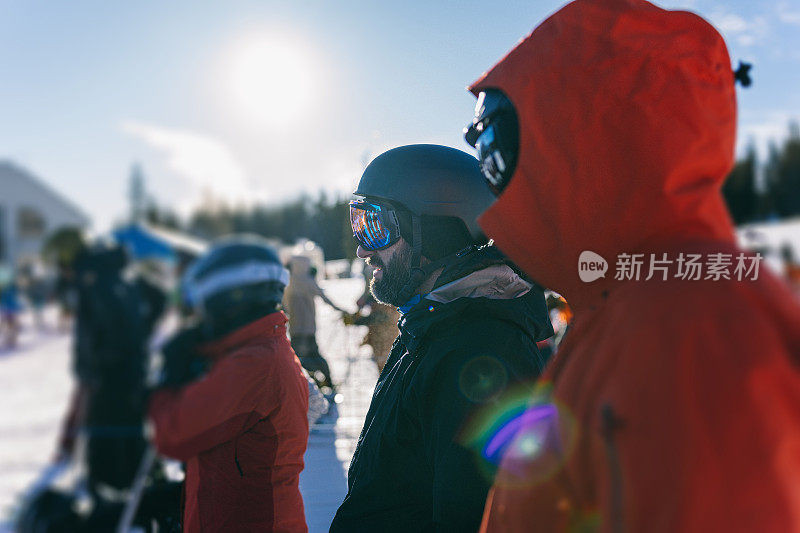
[[29, 212]]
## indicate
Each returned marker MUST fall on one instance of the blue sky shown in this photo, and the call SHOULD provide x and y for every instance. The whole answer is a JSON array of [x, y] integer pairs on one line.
[[87, 88]]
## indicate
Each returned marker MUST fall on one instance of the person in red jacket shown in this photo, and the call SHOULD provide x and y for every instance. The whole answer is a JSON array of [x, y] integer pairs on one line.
[[241, 428], [673, 403]]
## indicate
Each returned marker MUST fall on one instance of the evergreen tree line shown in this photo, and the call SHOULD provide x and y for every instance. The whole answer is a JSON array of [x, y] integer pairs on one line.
[[770, 191], [325, 220]]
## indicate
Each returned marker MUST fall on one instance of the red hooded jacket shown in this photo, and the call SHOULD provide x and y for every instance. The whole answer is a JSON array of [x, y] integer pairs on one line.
[[242, 431], [673, 405]]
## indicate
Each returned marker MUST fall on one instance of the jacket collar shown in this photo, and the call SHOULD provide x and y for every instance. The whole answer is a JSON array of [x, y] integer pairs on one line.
[[502, 293], [272, 325], [496, 282]]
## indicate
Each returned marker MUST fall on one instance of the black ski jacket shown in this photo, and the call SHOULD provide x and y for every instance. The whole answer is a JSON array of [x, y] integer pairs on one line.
[[455, 367]]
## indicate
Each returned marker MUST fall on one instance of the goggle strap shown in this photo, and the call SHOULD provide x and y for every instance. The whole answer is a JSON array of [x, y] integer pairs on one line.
[[416, 246], [418, 273], [389, 219]]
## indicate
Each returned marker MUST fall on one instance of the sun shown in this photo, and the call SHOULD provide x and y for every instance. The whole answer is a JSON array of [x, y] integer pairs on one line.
[[271, 81]]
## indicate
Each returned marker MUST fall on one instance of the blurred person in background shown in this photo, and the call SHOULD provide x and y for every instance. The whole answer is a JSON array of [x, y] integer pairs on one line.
[[182, 347], [66, 293], [36, 291], [381, 322], [467, 342], [674, 401], [114, 322], [10, 309], [560, 316], [116, 315], [299, 303], [232, 401]]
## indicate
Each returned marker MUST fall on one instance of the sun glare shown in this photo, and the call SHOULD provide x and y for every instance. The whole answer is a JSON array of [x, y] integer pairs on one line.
[[271, 81]]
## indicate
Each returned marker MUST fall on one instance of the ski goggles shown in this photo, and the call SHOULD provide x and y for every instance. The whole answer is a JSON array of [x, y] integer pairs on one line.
[[494, 133], [374, 226]]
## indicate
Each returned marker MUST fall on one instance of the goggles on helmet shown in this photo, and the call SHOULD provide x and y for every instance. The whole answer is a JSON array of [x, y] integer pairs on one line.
[[374, 226], [494, 133]]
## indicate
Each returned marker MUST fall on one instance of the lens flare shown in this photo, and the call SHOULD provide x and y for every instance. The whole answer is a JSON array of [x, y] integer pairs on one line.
[[523, 436], [532, 423], [482, 379]]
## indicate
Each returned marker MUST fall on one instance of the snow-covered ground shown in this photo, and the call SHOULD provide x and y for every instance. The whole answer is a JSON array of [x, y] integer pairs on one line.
[[35, 385], [332, 442], [34, 388]]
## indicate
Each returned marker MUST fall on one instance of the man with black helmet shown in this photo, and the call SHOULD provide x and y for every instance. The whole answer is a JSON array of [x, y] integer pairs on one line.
[[467, 341], [241, 427]]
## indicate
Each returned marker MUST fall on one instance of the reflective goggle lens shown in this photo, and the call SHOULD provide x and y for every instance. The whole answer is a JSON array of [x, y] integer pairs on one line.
[[491, 158], [368, 226], [494, 133]]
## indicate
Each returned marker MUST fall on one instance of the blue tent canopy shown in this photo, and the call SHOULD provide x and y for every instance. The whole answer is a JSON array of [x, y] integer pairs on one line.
[[143, 244]]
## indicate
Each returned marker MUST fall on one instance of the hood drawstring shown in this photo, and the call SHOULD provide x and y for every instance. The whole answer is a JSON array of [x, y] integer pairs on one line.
[[742, 74]]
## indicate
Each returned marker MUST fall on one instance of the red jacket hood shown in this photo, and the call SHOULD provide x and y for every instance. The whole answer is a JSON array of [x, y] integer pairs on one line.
[[627, 130]]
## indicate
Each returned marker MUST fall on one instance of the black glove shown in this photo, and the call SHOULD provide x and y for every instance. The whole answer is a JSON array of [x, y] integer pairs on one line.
[[182, 363]]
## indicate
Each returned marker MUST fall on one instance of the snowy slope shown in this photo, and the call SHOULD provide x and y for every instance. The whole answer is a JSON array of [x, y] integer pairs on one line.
[[332, 442], [34, 388]]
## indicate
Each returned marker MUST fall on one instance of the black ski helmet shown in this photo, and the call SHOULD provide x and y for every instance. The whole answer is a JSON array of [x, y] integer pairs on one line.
[[103, 258], [432, 180], [240, 279], [428, 180]]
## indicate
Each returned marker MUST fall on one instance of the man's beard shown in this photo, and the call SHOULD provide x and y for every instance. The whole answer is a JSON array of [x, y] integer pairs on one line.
[[396, 275]]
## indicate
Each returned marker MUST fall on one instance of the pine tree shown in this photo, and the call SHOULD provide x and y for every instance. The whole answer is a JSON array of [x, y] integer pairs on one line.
[[785, 187], [739, 189], [137, 195]]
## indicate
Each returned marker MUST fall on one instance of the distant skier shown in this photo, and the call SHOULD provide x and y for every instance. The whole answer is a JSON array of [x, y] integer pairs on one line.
[[299, 303], [113, 325], [66, 293], [381, 322], [10, 308], [36, 291], [233, 401], [116, 316]]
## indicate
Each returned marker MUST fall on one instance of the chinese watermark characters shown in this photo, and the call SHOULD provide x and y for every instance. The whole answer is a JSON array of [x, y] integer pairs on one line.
[[686, 266]]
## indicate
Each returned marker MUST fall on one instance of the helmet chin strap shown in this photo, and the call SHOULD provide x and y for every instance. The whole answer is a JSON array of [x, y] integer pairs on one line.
[[420, 273]]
